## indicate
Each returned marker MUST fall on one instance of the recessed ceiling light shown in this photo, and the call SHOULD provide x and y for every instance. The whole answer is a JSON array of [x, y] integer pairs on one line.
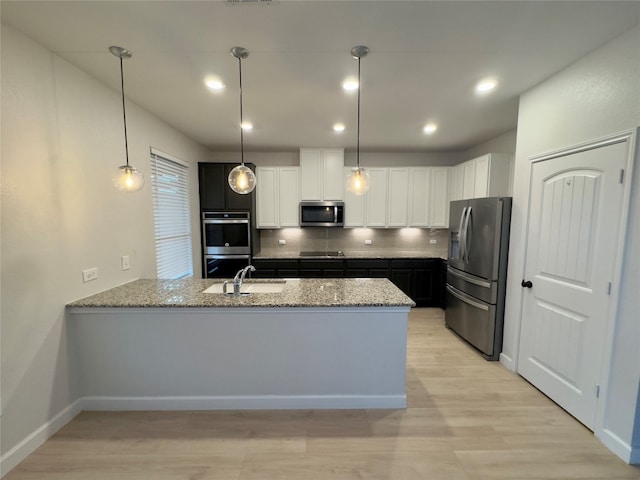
[[485, 86], [350, 85], [216, 85], [247, 126], [429, 128], [338, 127]]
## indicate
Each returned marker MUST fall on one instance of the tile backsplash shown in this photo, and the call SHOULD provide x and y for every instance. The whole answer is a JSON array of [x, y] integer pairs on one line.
[[353, 240]]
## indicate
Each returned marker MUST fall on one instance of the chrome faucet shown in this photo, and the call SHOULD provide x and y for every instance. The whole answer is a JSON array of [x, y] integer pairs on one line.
[[239, 278]]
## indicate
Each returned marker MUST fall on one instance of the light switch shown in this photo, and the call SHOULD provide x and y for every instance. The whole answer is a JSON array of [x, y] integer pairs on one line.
[[126, 265]]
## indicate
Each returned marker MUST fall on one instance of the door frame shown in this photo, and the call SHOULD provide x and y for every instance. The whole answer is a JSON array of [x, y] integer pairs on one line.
[[631, 138]]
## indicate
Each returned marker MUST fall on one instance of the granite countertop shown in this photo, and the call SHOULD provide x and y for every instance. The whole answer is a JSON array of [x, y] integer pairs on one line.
[[311, 292], [360, 254]]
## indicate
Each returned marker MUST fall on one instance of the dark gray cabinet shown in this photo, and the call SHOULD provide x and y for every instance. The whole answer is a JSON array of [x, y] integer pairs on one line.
[[422, 279], [367, 268], [215, 193]]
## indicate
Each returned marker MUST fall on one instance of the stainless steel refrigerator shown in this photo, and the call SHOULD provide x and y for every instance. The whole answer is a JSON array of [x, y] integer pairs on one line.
[[477, 271]]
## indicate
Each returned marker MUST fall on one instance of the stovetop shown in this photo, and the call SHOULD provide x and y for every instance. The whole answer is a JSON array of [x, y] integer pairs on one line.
[[338, 253]]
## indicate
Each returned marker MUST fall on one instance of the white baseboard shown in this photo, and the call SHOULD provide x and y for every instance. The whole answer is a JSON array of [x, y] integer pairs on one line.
[[618, 446], [252, 402], [507, 361], [27, 446]]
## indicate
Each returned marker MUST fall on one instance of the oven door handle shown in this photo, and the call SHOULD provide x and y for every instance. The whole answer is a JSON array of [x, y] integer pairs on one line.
[[222, 222]]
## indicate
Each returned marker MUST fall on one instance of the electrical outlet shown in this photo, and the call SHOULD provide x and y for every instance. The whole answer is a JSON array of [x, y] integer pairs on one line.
[[433, 241], [368, 242], [126, 265], [89, 274], [282, 242]]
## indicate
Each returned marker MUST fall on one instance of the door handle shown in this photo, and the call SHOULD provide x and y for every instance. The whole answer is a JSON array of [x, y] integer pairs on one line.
[[466, 234], [461, 242], [527, 283]]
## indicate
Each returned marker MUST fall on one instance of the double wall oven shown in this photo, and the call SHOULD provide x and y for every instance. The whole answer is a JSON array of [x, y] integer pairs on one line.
[[226, 243]]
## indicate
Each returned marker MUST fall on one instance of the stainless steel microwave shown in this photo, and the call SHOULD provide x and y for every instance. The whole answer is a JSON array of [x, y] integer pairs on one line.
[[321, 214]]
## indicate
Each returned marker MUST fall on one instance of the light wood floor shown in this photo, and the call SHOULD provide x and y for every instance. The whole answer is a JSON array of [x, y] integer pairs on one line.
[[467, 419]]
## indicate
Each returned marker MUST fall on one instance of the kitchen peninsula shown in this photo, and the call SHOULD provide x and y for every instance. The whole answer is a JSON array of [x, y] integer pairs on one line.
[[319, 343]]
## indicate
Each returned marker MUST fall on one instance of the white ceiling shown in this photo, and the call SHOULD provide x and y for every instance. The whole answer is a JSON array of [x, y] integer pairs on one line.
[[425, 58]]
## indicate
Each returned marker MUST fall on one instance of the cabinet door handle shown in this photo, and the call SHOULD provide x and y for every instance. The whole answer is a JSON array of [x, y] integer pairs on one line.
[[526, 283]]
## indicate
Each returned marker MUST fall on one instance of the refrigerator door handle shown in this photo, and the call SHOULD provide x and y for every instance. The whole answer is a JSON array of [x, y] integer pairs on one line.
[[461, 234], [466, 299], [465, 228]]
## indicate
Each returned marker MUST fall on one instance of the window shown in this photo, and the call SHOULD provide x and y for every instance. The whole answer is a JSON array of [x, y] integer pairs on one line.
[[171, 214]]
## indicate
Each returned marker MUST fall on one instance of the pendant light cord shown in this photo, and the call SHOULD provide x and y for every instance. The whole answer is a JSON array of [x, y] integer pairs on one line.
[[241, 132], [358, 137], [124, 113]]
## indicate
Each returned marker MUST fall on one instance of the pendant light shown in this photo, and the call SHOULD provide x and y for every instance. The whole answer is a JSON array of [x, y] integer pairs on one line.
[[242, 180], [127, 178], [358, 178]]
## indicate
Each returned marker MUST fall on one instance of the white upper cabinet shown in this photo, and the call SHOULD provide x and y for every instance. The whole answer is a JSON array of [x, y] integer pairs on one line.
[[377, 199], [419, 196], [354, 206], [267, 197], [485, 176], [492, 175], [277, 197], [321, 174], [398, 191], [468, 179], [456, 178], [289, 196], [439, 203]]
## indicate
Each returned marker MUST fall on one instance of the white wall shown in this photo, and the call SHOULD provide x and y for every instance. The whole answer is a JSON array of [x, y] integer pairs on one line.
[[505, 143], [597, 96], [62, 139]]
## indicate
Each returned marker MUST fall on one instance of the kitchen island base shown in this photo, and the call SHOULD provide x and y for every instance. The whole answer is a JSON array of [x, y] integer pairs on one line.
[[241, 358]]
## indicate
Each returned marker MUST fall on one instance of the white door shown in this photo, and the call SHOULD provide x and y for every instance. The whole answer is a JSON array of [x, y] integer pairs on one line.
[[575, 213]]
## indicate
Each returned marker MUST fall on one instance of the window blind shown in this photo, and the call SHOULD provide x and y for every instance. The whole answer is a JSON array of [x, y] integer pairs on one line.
[[171, 214]]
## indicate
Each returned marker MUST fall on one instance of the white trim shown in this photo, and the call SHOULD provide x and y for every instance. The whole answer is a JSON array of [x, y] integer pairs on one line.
[[612, 320], [617, 445], [36, 438], [507, 362], [159, 153], [245, 402]]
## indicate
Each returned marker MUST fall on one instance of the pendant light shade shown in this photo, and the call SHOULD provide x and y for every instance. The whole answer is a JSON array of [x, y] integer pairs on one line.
[[242, 180], [358, 178], [126, 178]]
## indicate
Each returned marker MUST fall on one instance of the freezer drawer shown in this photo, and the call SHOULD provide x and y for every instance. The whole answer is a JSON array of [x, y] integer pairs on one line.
[[477, 287], [473, 320]]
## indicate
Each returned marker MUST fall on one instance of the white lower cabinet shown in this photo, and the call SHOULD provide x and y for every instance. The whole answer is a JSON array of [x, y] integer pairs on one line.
[[277, 197]]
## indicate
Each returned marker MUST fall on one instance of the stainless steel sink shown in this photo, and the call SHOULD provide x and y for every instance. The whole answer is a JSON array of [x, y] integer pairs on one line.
[[249, 287]]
